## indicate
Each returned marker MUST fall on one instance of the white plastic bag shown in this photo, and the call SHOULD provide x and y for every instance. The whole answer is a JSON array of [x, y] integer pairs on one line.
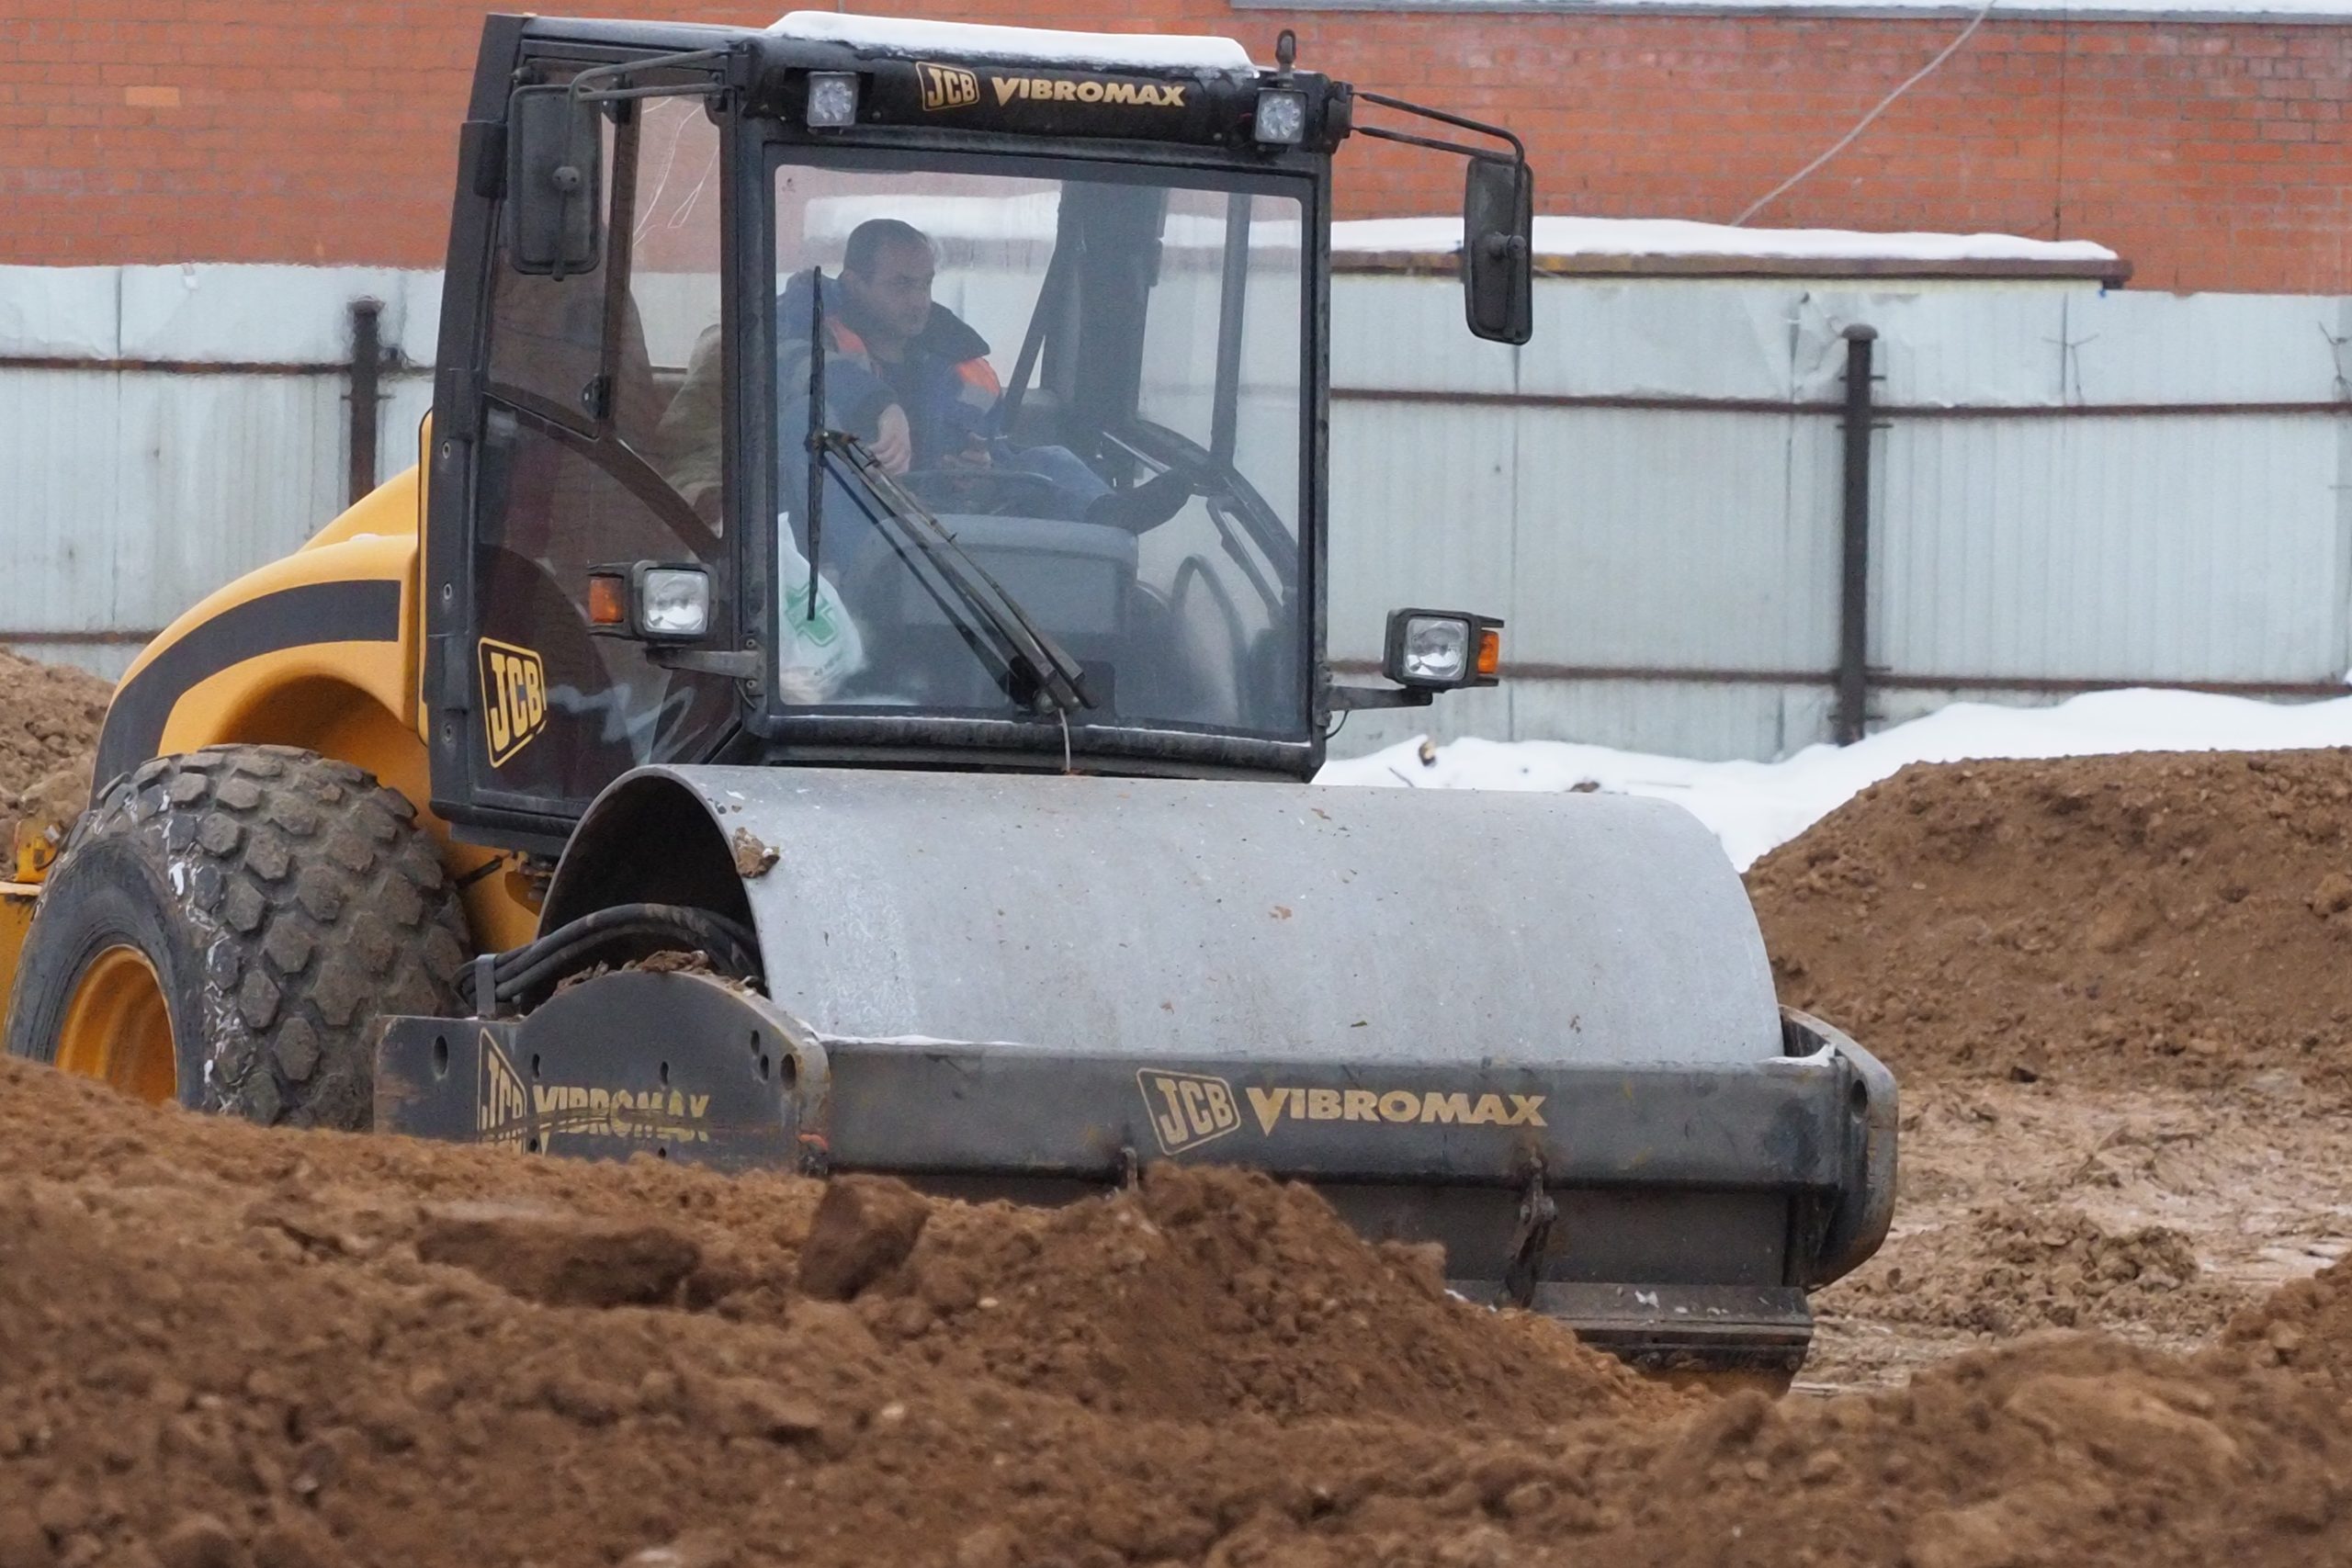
[[822, 650]]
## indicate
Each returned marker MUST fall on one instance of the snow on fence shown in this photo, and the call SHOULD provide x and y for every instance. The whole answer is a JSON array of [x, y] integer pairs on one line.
[[2068, 487]]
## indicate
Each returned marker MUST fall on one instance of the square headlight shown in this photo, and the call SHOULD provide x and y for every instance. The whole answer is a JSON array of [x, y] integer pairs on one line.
[[671, 604], [1281, 117], [833, 99], [1435, 651], [1439, 650]]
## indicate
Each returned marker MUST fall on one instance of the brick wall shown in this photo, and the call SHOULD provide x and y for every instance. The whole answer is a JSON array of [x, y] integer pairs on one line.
[[2215, 157]]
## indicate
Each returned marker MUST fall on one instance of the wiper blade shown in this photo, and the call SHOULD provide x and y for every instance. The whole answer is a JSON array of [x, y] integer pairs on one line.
[[1012, 640]]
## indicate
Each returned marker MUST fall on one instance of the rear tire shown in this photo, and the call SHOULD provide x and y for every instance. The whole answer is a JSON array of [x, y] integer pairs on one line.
[[277, 902]]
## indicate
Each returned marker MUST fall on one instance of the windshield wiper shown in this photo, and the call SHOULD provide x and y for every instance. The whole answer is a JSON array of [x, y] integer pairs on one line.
[[1005, 636], [999, 631]]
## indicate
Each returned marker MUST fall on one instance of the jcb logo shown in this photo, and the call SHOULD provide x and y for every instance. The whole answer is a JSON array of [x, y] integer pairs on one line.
[[945, 87], [502, 1105], [1187, 1110], [514, 698]]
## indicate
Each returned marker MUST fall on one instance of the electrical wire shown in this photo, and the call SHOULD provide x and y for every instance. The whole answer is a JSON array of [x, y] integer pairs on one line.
[[1769, 197]]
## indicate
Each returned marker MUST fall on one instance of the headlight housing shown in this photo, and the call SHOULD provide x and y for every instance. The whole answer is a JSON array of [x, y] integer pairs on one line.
[[672, 602], [832, 100], [1438, 651], [650, 602], [1281, 117]]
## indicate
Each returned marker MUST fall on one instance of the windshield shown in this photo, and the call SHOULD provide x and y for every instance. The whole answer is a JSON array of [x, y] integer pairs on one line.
[[1088, 381]]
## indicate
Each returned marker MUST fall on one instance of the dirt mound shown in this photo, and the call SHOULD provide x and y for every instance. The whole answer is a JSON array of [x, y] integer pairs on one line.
[[2306, 1325], [302, 1342], [2066, 1449], [2092, 918], [49, 724], [1218, 1293], [281, 1350], [2006, 1267]]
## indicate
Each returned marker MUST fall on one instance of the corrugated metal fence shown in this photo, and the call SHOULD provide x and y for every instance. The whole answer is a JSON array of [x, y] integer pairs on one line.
[[2067, 488], [165, 429]]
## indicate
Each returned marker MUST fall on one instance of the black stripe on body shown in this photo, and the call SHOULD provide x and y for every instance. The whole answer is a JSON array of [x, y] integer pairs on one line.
[[364, 611]]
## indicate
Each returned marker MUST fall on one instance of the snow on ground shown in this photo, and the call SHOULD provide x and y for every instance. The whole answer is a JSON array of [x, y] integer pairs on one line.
[[1752, 807]]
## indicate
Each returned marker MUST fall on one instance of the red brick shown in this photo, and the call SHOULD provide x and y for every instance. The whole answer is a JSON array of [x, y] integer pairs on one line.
[[322, 129]]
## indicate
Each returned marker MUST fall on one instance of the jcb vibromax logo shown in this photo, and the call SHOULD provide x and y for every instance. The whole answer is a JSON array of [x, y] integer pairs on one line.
[[512, 1113], [1191, 1108], [514, 698], [945, 87]]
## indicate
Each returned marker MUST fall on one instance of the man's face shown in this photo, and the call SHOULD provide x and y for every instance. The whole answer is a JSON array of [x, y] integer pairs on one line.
[[895, 296]]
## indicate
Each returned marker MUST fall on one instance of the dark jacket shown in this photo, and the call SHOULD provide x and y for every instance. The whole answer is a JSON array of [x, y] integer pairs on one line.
[[946, 385]]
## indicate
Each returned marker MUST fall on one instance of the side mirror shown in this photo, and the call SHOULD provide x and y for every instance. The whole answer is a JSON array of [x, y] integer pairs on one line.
[[1498, 249], [555, 151]]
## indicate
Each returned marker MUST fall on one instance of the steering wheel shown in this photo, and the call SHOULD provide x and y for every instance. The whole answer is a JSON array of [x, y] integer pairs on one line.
[[1222, 483], [982, 491]]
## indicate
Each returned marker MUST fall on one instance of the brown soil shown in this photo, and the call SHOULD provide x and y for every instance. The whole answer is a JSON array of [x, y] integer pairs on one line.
[[2117, 920], [2005, 1268], [2115, 991], [229, 1346], [2148, 1213], [2306, 1325], [48, 731]]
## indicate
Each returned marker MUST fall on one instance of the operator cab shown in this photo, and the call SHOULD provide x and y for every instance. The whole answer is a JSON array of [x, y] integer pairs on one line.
[[872, 392]]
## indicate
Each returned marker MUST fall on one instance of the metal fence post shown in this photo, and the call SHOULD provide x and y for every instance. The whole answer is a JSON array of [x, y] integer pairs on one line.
[[1854, 573], [367, 365]]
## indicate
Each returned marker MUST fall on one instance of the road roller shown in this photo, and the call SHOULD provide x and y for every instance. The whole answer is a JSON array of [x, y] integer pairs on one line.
[[840, 688]]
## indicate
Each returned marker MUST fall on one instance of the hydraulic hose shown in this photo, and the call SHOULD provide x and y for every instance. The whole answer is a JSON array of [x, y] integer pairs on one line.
[[526, 975]]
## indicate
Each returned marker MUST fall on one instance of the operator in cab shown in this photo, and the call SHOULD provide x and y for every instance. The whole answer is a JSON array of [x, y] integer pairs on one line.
[[906, 376]]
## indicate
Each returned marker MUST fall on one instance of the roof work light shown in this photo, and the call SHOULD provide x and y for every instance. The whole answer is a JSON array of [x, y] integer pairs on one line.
[[833, 99], [1281, 117]]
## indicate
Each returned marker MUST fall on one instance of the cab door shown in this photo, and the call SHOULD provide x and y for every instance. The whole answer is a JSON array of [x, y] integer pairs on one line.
[[591, 411]]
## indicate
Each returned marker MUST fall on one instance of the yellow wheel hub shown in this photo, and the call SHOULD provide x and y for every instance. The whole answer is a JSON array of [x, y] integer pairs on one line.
[[117, 1028]]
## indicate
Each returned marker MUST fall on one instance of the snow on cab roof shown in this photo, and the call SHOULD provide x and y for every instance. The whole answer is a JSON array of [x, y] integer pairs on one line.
[[1037, 46]]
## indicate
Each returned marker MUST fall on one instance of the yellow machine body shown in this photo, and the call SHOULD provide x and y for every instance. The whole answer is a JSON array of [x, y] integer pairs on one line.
[[237, 668]]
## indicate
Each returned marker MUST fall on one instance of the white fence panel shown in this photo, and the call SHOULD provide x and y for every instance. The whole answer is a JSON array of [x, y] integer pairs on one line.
[[1670, 541], [1422, 513], [2171, 548]]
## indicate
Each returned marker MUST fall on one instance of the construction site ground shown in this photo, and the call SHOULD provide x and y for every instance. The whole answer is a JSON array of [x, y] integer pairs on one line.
[[2108, 1327]]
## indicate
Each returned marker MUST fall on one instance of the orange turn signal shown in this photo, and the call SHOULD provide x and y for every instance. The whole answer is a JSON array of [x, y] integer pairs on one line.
[[1490, 651], [608, 601]]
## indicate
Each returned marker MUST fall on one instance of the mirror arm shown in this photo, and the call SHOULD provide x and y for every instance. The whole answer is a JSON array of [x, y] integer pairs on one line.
[[588, 88], [1405, 106], [1436, 144], [744, 666], [1349, 699]]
